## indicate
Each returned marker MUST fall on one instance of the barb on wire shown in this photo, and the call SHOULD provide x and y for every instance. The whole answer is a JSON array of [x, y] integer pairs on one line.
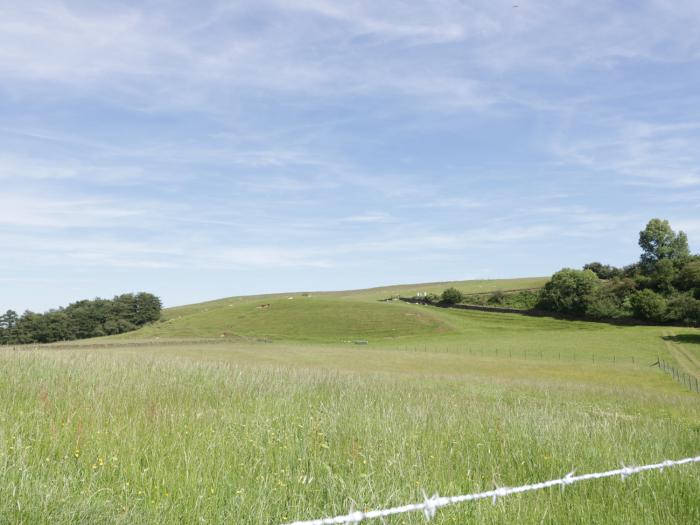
[[430, 505]]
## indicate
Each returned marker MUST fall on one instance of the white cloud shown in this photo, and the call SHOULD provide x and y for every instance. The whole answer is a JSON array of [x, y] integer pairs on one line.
[[33, 211], [643, 153], [189, 59], [368, 218], [267, 257]]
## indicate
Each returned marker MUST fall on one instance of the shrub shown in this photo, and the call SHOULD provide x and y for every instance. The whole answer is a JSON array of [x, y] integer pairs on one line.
[[603, 271], [452, 296], [497, 297], [432, 298], [689, 276], [603, 303], [649, 306], [685, 309], [569, 291]]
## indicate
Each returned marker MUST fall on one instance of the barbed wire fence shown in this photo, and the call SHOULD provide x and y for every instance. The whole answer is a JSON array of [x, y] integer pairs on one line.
[[430, 505]]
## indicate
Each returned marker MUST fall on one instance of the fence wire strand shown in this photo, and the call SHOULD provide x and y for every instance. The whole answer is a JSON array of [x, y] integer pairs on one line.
[[430, 505]]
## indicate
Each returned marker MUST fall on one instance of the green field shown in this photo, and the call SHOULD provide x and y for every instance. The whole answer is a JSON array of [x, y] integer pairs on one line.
[[280, 419], [321, 317]]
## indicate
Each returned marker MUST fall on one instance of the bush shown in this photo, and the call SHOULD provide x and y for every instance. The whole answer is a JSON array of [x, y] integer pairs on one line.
[[569, 291], [452, 296], [649, 306], [689, 276], [432, 298], [603, 271], [685, 309], [497, 297], [604, 303]]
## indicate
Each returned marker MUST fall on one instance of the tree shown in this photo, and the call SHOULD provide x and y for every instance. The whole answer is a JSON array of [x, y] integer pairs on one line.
[[148, 308], [569, 291], [658, 241], [649, 305], [603, 271], [452, 296], [684, 308], [663, 275], [80, 320], [689, 277], [8, 322], [605, 303]]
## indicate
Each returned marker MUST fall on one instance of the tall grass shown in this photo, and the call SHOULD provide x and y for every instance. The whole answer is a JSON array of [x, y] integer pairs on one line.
[[88, 437]]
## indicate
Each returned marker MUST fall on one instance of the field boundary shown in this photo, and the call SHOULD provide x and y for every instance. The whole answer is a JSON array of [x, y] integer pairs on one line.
[[430, 505], [534, 312], [687, 380]]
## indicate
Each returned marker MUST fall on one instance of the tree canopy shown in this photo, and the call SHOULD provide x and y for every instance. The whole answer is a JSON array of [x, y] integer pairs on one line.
[[658, 241], [664, 286], [81, 320], [452, 296]]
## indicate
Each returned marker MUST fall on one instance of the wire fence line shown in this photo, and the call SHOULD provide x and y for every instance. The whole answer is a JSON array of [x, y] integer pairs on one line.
[[687, 380], [430, 505]]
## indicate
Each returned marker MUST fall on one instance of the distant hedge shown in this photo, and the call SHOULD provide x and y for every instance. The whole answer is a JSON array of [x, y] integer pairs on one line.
[[81, 320]]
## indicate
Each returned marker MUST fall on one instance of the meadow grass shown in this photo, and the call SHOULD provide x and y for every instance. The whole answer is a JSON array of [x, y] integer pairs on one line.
[[162, 427], [103, 436]]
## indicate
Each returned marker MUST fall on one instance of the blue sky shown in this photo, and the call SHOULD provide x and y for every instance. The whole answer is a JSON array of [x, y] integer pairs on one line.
[[207, 149]]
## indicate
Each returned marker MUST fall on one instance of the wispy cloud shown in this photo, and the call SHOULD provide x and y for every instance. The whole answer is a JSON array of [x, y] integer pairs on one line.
[[644, 153], [317, 138], [33, 211]]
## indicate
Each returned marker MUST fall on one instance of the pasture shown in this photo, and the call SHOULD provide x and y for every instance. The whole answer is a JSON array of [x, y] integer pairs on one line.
[[281, 420]]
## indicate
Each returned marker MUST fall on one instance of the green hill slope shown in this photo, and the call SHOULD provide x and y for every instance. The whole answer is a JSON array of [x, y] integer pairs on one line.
[[323, 317]]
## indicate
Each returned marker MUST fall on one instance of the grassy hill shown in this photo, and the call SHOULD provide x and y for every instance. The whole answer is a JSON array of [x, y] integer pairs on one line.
[[322, 317]]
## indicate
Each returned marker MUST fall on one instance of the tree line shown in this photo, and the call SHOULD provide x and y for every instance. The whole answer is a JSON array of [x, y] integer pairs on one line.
[[663, 286], [81, 320]]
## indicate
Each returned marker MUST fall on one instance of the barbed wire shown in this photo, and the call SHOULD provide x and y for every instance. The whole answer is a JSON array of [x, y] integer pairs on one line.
[[430, 504]]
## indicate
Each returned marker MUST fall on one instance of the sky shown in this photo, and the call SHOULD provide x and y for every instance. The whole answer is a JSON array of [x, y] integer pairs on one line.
[[199, 150]]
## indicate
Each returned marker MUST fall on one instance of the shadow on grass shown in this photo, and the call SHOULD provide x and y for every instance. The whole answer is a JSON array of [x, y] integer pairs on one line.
[[693, 339]]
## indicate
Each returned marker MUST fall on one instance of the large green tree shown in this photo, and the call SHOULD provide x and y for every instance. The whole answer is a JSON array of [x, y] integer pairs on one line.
[[569, 291], [658, 241]]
